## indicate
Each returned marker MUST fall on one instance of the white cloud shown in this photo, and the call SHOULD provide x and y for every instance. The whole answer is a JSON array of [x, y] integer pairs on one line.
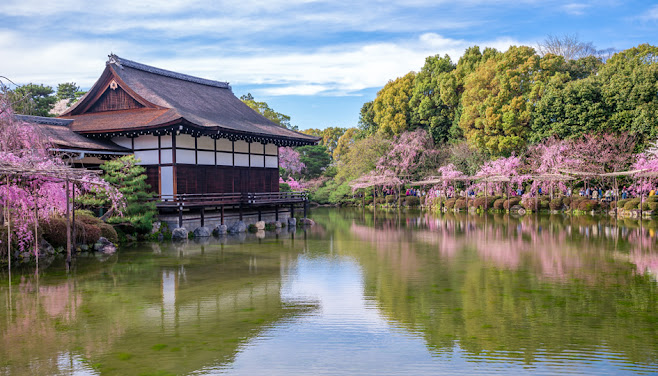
[[575, 9], [651, 14]]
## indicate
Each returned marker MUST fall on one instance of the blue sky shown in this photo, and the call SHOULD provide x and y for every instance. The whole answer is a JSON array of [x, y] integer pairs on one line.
[[315, 61]]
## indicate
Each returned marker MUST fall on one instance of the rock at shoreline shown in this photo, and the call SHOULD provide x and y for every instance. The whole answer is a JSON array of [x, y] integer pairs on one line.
[[45, 248], [306, 222], [277, 224], [260, 225], [292, 222], [179, 233], [220, 230], [105, 246], [202, 232], [238, 227]]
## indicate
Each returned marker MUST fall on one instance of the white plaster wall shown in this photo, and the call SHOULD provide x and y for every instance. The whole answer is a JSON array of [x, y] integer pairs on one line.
[[146, 142], [167, 181], [242, 160], [165, 141], [224, 144], [271, 162], [224, 159], [185, 156], [257, 160], [123, 141], [270, 149], [166, 156], [147, 157], [184, 141], [205, 142], [257, 148], [206, 157], [241, 146]]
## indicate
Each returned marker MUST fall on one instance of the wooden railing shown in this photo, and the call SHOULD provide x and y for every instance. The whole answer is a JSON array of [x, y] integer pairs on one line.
[[218, 199]]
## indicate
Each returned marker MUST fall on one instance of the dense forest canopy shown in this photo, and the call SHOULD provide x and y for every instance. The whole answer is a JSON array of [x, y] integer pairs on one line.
[[492, 104]]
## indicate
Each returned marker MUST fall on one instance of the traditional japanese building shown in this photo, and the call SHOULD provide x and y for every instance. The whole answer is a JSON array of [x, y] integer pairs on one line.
[[204, 150], [193, 135]]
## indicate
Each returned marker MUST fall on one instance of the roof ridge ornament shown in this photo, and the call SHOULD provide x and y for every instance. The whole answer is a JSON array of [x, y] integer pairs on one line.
[[114, 59]]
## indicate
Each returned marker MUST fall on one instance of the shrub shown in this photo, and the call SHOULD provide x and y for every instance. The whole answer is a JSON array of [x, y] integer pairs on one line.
[[478, 202], [652, 206], [460, 204], [450, 203], [368, 200], [251, 228], [412, 201], [645, 206], [588, 205], [632, 204], [390, 199], [109, 233], [556, 204], [543, 204], [54, 231], [498, 204], [566, 201], [604, 205], [651, 199], [621, 203], [512, 201], [86, 233], [380, 200]]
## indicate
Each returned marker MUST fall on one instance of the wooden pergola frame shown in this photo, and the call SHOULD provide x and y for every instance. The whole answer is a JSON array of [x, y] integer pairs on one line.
[[64, 174]]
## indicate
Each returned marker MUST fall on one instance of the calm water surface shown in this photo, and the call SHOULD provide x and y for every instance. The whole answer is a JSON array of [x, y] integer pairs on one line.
[[358, 294]]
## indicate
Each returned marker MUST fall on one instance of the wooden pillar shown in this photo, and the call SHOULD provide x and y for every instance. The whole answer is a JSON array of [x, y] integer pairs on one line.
[[260, 215], [486, 198], [36, 233], [241, 211], [222, 215], [276, 213], [305, 208], [641, 198], [292, 210], [68, 226], [509, 183], [73, 236], [180, 216], [203, 217]]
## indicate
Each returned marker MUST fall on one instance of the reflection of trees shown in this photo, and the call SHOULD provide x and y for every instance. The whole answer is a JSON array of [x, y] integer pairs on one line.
[[183, 309], [514, 287]]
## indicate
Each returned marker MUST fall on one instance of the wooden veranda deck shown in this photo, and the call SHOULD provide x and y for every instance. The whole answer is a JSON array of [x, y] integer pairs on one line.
[[241, 201]]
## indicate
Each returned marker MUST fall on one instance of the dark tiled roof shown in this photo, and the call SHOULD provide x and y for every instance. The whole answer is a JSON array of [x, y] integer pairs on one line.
[[59, 134], [208, 104]]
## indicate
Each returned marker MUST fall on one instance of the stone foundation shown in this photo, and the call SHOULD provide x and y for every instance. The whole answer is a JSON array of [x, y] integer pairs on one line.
[[192, 219]]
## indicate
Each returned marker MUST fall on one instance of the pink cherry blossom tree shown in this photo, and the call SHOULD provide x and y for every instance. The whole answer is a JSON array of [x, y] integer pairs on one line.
[[32, 179]]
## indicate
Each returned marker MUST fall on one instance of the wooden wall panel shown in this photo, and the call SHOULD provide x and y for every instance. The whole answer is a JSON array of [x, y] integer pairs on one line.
[[153, 178], [224, 179], [113, 100]]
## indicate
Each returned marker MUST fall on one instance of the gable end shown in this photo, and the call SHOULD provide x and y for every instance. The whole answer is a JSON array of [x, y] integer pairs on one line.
[[114, 100]]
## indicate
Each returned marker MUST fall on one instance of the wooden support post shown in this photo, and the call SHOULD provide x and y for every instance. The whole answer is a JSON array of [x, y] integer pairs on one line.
[[509, 183], [203, 217], [260, 215], [180, 216], [641, 198], [305, 208], [486, 198], [68, 226], [222, 215], [276, 213], [73, 236], [292, 210], [36, 234]]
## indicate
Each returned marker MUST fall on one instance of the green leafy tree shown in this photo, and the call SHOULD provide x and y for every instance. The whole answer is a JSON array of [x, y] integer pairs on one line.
[[629, 85], [70, 91], [392, 109], [435, 98], [32, 99], [367, 119], [362, 157], [130, 178], [344, 143], [315, 158], [499, 97], [329, 135], [570, 109], [264, 109]]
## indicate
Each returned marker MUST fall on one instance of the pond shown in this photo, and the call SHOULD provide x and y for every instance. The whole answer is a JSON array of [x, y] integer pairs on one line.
[[359, 293]]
